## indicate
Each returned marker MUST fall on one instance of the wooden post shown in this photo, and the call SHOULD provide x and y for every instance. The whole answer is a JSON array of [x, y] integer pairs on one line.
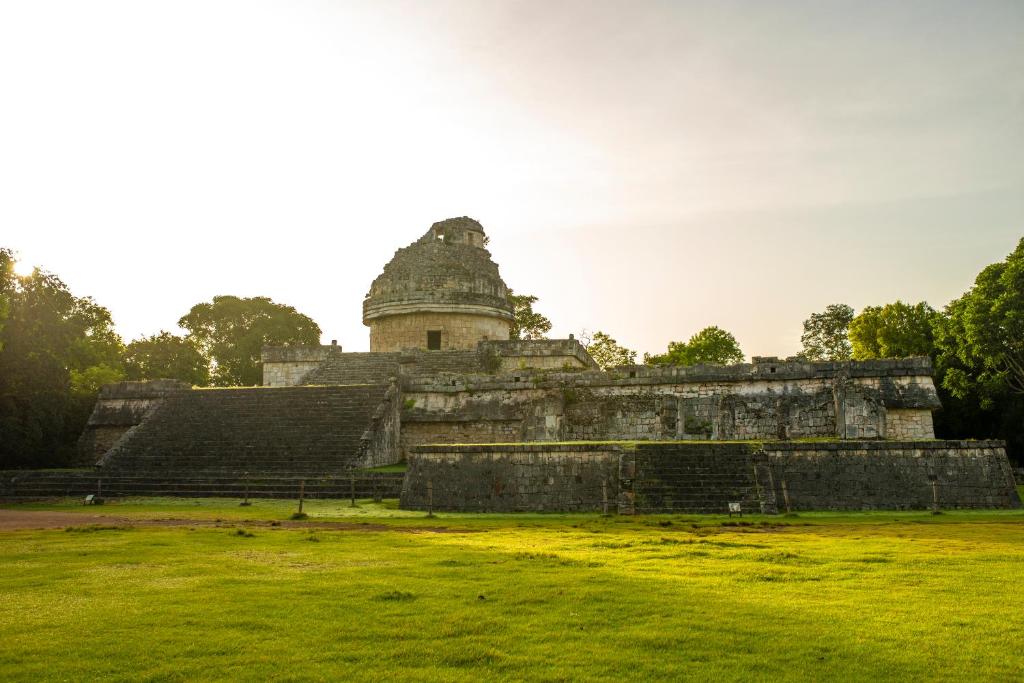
[[302, 493], [785, 495], [352, 489], [430, 498], [604, 497], [245, 478], [935, 495]]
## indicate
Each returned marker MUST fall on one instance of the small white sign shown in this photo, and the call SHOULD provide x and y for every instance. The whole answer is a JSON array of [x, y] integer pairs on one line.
[[734, 507]]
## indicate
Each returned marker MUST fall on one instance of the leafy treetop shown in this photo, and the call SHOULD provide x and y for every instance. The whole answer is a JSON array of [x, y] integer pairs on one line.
[[166, 356], [607, 353], [231, 331], [825, 334], [56, 349], [712, 345], [527, 324], [980, 339], [895, 330]]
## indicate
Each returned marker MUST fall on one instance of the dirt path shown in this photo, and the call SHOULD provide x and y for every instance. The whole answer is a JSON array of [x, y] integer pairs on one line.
[[19, 520]]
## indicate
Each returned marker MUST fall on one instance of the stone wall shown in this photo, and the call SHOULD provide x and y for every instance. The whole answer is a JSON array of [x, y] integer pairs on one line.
[[772, 400], [484, 431], [706, 477], [909, 424], [287, 366], [907, 475], [515, 478], [542, 354], [458, 330], [379, 444]]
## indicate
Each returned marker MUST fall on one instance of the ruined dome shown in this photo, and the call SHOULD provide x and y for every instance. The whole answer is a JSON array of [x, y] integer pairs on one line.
[[444, 283]]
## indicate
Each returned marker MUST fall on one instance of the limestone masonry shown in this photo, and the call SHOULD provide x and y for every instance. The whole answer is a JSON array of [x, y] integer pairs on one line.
[[442, 370]]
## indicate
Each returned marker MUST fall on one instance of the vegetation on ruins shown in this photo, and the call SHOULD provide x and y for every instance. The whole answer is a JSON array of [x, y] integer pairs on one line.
[[528, 324], [608, 353], [240, 592], [896, 330], [825, 334], [712, 345], [231, 331], [166, 356]]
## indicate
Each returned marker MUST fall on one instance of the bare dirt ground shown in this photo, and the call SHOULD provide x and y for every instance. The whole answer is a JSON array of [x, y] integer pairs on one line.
[[21, 520]]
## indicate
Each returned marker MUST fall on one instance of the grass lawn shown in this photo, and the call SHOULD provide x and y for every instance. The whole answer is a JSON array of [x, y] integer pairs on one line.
[[487, 597]]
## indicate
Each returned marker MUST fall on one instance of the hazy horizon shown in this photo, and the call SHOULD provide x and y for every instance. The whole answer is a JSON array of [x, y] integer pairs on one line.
[[645, 169]]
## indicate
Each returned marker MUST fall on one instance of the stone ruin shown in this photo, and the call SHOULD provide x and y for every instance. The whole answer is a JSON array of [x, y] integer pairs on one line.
[[442, 370]]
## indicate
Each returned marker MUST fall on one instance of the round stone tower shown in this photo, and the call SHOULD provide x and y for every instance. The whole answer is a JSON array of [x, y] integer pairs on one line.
[[442, 292]]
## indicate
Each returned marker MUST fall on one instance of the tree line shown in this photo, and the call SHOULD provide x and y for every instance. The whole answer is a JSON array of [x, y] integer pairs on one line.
[[57, 349]]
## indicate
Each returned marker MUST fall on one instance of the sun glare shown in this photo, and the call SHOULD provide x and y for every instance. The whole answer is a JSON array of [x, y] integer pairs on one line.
[[23, 268]]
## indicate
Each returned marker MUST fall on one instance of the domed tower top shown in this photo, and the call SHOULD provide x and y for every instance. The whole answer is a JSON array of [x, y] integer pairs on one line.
[[443, 291]]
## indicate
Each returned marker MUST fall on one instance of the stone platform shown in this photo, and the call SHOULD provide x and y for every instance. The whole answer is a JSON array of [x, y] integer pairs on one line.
[[704, 477]]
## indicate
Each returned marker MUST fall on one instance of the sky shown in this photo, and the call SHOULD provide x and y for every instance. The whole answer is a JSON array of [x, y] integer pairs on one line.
[[643, 168]]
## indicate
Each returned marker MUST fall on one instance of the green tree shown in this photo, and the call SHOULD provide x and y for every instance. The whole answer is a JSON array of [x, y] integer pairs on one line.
[[528, 324], [980, 339], [712, 345], [895, 330], [56, 350], [166, 356], [231, 331], [825, 334], [607, 353], [6, 284]]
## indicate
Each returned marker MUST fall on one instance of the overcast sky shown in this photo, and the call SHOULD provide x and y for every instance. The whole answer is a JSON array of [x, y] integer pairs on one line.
[[644, 168]]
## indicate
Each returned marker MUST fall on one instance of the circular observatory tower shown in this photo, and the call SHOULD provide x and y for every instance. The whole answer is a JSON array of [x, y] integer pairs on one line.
[[442, 292]]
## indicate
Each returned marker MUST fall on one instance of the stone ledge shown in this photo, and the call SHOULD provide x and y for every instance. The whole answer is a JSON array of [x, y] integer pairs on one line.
[[516, 448]]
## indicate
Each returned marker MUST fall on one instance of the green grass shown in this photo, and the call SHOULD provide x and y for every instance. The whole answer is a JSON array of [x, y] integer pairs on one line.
[[543, 597]]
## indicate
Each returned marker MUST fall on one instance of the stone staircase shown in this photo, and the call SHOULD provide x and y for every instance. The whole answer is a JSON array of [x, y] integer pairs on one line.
[[295, 431], [42, 484], [376, 368], [355, 368], [419, 362], [695, 479]]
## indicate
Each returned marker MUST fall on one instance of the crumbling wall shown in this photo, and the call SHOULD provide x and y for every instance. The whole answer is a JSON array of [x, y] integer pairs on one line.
[[119, 407], [459, 432], [380, 443], [759, 401]]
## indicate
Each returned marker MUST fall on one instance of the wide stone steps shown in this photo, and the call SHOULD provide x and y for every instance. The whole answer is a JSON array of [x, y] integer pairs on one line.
[[355, 368], [685, 480], [34, 485], [297, 430]]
